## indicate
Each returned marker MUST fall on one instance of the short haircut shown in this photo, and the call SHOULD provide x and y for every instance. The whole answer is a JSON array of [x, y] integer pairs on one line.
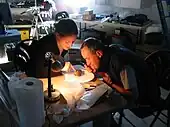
[[93, 44], [66, 27]]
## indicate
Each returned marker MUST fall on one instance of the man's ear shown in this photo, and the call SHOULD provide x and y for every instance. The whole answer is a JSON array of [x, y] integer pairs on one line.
[[99, 53], [58, 36]]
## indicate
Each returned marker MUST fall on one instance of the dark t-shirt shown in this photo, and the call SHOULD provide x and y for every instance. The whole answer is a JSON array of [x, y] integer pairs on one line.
[[37, 66], [115, 59]]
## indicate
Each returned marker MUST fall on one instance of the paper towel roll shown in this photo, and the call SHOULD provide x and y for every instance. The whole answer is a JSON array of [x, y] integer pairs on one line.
[[29, 98]]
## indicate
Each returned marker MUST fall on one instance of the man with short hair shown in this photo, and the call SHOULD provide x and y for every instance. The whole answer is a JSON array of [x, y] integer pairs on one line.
[[122, 69]]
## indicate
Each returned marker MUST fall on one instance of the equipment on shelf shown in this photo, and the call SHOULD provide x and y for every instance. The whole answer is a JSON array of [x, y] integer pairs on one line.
[[36, 11], [163, 22]]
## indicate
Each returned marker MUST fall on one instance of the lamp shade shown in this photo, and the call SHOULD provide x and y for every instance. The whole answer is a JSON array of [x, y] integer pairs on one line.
[[58, 63]]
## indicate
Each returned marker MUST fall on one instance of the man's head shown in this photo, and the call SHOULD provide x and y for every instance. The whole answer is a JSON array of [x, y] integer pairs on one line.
[[92, 51]]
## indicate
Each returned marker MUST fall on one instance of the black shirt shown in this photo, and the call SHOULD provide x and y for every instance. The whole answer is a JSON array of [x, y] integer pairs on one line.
[[115, 58], [37, 66]]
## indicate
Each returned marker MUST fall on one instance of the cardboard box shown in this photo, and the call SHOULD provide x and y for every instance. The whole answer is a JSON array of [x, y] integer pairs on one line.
[[88, 12], [89, 17]]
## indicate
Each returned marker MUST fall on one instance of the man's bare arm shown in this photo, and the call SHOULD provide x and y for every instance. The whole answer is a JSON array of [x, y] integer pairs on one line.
[[121, 90]]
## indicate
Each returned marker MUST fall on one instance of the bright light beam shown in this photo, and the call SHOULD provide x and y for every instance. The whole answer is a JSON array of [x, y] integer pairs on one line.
[[76, 3]]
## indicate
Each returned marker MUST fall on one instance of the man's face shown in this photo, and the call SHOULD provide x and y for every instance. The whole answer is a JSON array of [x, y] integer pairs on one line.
[[92, 59]]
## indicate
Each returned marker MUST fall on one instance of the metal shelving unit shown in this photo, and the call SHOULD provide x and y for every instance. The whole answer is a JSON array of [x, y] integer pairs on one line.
[[164, 23]]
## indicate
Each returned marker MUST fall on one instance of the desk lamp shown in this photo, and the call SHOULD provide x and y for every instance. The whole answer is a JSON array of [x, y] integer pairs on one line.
[[55, 64]]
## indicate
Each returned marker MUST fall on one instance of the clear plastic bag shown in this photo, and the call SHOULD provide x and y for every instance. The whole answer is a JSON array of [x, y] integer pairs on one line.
[[58, 112], [90, 97]]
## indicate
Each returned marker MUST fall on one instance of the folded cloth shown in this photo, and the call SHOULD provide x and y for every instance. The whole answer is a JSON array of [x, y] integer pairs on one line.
[[90, 97]]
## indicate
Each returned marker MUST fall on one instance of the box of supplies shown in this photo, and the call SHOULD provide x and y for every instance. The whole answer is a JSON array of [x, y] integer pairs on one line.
[[88, 12], [89, 17]]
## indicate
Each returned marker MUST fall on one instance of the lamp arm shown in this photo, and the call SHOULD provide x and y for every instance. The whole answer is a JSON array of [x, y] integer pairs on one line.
[[53, 62], [49, 78]]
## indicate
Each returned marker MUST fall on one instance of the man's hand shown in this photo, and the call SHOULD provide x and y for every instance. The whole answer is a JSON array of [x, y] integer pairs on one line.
[[22, 76], [88, 68], [68, 67], [106, 78]]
